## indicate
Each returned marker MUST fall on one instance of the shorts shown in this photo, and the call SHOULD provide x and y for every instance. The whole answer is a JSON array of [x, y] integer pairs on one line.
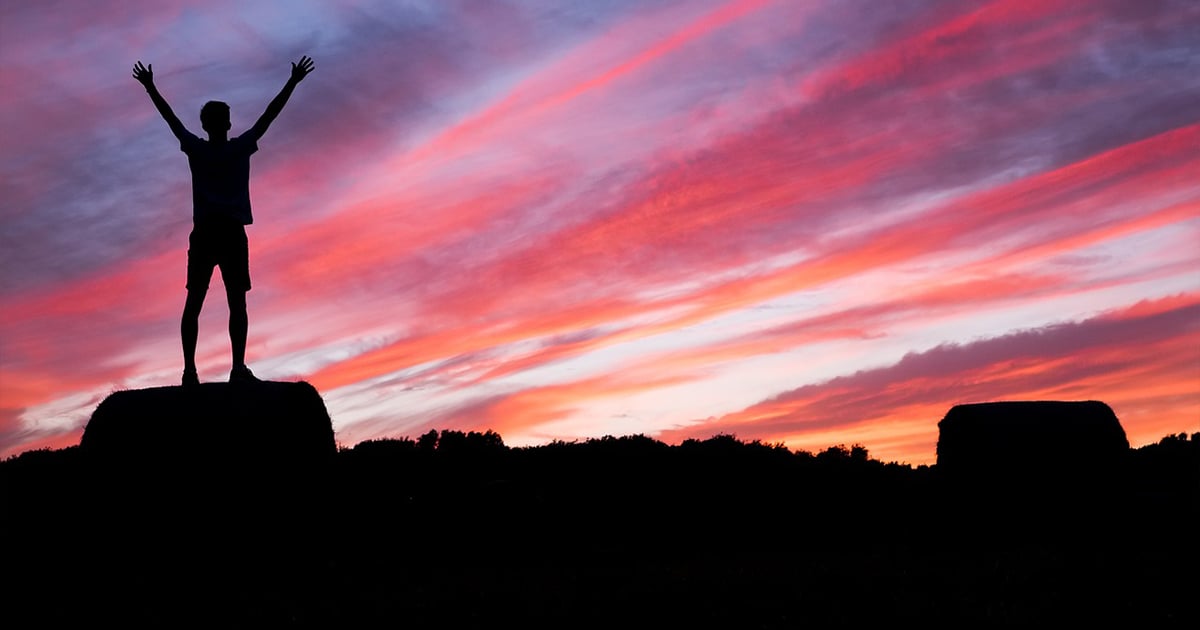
[[221, 245]]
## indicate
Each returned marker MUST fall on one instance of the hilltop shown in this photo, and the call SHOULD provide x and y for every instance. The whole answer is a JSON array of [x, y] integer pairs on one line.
[[457, 529]]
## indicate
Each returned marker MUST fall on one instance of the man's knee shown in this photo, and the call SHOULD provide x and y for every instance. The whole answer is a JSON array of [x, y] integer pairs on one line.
[[237, 299], [193, 304]]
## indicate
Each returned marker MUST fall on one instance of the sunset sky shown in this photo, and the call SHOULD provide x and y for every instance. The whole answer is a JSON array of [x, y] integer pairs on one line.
[[810, 222]]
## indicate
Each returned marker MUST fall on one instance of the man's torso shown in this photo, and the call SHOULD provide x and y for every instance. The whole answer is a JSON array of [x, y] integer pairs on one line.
[[220, 177]]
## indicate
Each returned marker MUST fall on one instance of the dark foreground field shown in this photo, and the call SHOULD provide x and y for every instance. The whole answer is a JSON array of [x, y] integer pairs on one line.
[[461, 531]]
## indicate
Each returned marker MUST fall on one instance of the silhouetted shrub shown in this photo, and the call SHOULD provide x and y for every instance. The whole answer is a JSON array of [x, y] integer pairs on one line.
[[456, 527]]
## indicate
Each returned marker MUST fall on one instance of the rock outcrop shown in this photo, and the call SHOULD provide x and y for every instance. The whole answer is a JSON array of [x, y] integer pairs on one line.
[[259, 452], [217, 425]]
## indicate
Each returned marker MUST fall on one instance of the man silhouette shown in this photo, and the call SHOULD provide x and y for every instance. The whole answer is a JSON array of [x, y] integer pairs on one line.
[[220, 169]]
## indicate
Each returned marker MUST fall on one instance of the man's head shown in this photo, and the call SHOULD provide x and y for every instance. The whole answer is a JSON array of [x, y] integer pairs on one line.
[[214, 118]]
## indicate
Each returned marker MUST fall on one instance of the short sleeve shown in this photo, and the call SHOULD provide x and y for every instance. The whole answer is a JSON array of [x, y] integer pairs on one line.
[[247, 144], [188, 142]]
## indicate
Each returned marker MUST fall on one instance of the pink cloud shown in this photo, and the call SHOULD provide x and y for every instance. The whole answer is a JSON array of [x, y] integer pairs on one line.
[[530, 194], [547, 272]]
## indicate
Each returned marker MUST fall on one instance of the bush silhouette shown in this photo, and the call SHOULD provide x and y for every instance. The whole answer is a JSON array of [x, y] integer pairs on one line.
[[457, 529]]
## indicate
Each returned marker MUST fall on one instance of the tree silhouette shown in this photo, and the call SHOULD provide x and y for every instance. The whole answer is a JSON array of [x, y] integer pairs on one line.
[[455, 527]]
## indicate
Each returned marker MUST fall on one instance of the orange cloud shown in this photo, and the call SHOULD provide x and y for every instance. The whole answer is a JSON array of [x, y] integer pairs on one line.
[[1130, 359]]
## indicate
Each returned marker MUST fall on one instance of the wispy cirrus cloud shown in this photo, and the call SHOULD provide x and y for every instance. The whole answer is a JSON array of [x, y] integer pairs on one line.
[[563, 219]]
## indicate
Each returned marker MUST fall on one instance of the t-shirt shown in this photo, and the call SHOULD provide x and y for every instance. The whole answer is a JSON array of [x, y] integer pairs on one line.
[[220, 177]]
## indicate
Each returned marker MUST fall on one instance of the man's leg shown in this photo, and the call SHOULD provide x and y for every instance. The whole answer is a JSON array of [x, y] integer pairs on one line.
[[235, 273], [238, 323], [237, 337], [199, 271], [189, 328]]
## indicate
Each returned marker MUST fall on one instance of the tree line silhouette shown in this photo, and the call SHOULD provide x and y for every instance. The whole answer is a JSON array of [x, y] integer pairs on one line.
[[457, 529]]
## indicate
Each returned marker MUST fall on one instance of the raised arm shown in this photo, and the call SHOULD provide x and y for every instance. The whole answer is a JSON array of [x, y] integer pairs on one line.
[[299, 71], [145, 76]]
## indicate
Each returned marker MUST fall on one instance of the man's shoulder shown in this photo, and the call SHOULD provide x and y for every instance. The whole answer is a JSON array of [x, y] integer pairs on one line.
[[189, 141], [247, 141]]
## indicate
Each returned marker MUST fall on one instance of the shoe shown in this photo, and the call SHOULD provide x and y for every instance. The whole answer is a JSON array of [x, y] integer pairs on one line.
[[190, 378], [243, 375]]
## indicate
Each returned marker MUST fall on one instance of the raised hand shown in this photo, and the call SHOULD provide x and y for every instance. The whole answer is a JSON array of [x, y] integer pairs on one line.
[[144, 74], [301, 70]]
